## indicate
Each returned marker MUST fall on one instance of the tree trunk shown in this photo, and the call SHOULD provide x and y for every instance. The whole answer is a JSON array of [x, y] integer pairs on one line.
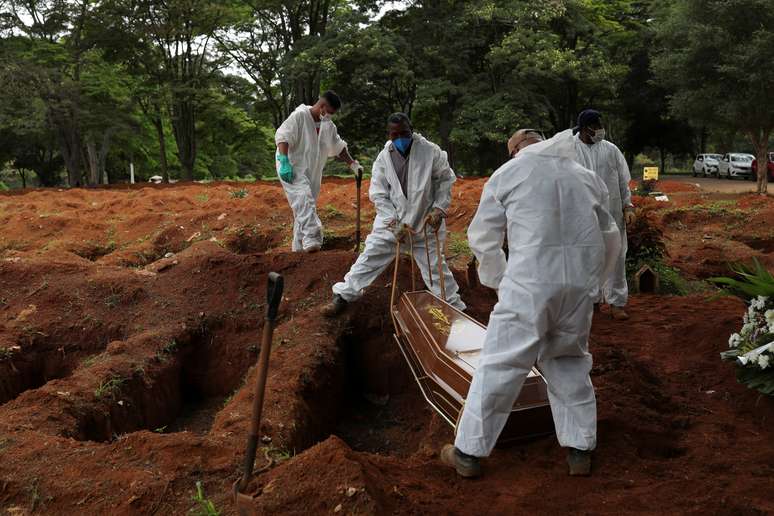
[[93, 159], [71, 154], [102, 155], [662, 156], [184, 128], [158, 123], [23, 176], [762, 157], [760, 141]]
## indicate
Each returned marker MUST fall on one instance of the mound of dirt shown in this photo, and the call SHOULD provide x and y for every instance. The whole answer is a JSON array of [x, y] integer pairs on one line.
[[126, 371]]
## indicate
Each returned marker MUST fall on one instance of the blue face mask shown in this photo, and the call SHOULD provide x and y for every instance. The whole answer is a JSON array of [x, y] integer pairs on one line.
[[402, 144]]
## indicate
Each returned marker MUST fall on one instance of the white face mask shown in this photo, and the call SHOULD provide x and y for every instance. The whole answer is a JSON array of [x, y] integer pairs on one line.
[[598, 135]]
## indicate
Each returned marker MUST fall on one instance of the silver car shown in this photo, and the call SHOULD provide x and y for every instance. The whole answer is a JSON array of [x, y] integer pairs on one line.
[[706, 165], [735, 164]]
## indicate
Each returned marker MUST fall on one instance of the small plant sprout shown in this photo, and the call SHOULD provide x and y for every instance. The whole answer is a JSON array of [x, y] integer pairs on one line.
[[109, 388], [205, 507], [238, 194]]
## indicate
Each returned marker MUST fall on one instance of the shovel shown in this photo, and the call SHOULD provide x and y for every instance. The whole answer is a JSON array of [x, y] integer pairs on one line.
[[358, 182], [245, 502]]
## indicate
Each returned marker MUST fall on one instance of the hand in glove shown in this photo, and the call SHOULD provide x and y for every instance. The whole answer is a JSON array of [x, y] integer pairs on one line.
[[285, 168], [629, 216], [434, 218], [356, 167]]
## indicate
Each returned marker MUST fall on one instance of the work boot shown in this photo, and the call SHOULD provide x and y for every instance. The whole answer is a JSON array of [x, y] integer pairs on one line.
[[467, 466], [337, 305], [312, 249], [579, 462], [618, 313]]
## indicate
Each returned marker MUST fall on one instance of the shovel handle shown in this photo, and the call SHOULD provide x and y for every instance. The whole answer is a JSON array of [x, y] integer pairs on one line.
[[359, 177], [274, 288]]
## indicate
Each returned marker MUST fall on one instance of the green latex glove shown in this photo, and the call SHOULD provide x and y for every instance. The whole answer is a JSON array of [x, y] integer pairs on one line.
[[285, 168]]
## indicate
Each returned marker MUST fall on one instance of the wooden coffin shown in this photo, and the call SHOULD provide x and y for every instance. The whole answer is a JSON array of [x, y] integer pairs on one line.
[[442, 346]]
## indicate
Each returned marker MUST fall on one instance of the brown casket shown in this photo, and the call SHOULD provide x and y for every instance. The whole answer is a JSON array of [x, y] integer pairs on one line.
[[442, 346]]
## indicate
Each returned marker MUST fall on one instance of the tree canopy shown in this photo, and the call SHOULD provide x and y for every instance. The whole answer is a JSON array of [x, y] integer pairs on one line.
[[193, 89]]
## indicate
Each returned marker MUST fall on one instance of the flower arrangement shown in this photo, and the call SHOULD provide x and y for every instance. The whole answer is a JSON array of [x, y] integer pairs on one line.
[[752, 348]]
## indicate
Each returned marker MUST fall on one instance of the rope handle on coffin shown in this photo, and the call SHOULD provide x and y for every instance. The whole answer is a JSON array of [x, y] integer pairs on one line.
[[411, 234]]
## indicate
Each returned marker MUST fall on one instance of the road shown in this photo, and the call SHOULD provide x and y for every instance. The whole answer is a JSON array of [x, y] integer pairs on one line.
[[711, 184]]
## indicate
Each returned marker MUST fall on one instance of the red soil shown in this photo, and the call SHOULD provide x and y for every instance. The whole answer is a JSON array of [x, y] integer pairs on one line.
[[132, 377]]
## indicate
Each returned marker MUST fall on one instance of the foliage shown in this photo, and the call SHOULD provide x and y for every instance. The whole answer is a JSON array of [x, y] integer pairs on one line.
[[194, 89], [205, 507], [647, 247], [238, 194], [752, 348], [646, 239], [713, 50], [109, 387], [748, 282]]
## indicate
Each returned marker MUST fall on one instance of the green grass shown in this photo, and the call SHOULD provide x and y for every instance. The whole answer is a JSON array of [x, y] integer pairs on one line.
[[204, 506], [109, 388], [458, 245], [167, 349], [5, 353], [90, 361], [203, 197], [238, 194], [331, 212], [727, 208]]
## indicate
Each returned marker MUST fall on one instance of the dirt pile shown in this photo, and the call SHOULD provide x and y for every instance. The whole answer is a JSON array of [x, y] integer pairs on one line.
[[125, 375]]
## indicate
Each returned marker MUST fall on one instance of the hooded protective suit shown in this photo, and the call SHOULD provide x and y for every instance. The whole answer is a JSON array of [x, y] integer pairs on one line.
[[561, 237], [609, 163], [429, 183], [308, 151]]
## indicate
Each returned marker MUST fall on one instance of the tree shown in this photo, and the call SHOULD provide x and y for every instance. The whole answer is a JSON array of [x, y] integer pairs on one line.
[[716, 58], [172, 45]]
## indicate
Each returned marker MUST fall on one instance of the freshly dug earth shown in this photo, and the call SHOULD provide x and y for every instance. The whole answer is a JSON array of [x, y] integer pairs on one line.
[[126, 376]]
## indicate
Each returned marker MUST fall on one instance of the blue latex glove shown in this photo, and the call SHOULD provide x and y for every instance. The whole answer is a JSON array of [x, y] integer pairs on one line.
[[285, 168]]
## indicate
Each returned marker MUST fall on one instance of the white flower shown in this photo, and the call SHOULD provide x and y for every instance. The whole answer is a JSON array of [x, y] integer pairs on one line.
[[742, 359], [769, 315], [734, 340], [763, 361], [759, 303], [748, 328]]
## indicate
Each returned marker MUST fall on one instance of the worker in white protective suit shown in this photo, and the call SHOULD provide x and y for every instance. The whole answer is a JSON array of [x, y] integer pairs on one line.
[[411, 185], [562, 241], [604, 158], [305, 141]]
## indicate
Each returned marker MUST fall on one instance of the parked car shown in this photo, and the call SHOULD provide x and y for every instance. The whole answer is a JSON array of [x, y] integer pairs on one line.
[[769, 166], [706, 165], [735, 164]]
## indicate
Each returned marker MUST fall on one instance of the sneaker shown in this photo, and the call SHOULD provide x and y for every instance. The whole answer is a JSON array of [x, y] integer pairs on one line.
[[618, 313], [579, 462], [337, 305], [467, 466]]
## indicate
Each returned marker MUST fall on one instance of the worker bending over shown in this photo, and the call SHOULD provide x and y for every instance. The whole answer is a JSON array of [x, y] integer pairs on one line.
[[411, 185], [604, 158], [305, 141], [562, 242]]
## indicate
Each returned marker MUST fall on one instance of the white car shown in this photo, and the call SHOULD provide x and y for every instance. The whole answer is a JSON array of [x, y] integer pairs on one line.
[[706, 165], [735, 165]]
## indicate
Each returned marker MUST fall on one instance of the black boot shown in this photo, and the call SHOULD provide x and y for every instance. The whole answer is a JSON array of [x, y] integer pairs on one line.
[[335, 307], [466, 466], [579, 462]]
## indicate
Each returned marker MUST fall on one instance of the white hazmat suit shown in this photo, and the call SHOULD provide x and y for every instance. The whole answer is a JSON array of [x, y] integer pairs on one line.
[[308, 151], [561, 239], [429, 183], [609, 163]]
